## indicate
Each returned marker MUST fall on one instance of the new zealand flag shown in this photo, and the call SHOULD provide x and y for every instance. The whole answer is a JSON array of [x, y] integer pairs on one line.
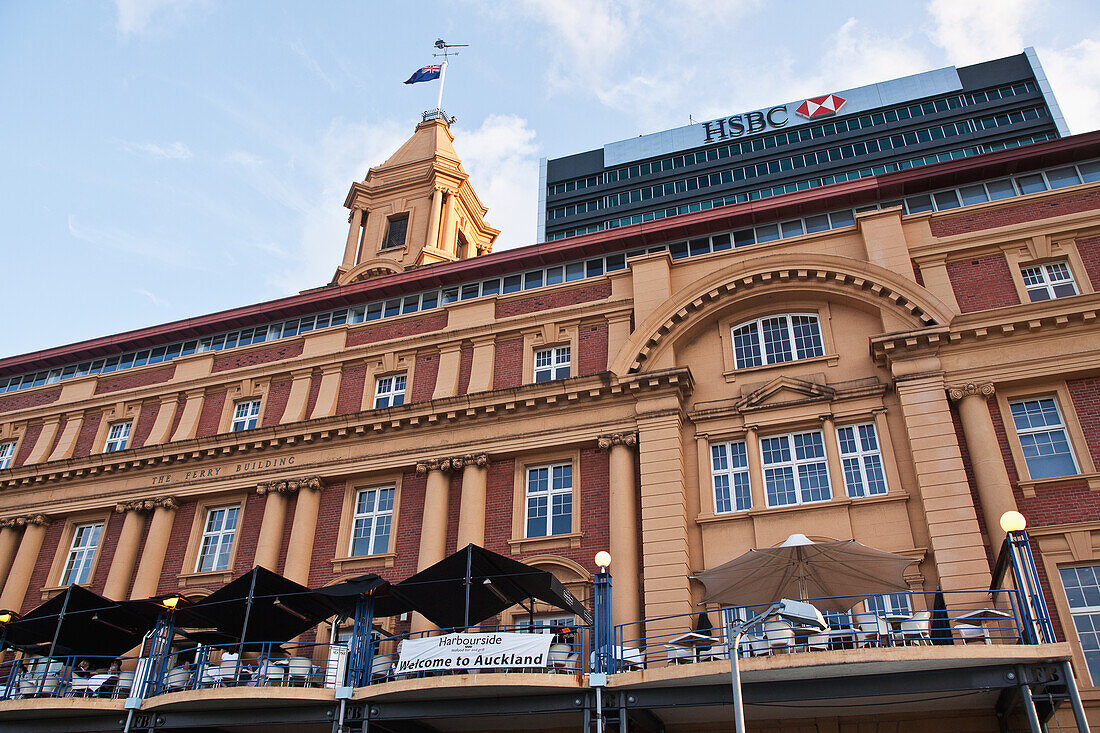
[[426, 74]]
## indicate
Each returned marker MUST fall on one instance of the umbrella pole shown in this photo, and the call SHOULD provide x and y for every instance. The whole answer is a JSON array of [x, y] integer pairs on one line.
[[469, 562], [56, 634], [244, 627]]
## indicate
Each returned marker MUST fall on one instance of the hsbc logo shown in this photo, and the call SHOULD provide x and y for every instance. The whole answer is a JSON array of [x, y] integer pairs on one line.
[[825, 106]]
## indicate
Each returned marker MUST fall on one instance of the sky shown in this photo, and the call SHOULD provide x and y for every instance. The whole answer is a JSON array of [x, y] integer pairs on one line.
[[162, 159]]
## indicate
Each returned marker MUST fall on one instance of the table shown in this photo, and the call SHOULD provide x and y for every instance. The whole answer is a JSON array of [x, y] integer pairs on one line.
[[696, 641], [978, 619], [893, 623]]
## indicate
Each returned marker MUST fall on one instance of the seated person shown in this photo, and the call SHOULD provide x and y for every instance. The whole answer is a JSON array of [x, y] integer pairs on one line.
[[108, 686]]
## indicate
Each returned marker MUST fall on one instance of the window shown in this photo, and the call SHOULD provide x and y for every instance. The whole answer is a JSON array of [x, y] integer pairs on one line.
[[729, 470], [78, 566], [549, 500], [551, 364], [7, 454], [389, 391], [1049, 281], [1083, 591], [777, 339], [246, 415], [795, 469], [890, 604], [396, 229], [373, 520], [1043, 438], [546, 623], [118, 437], [217, 539], [862, 460]]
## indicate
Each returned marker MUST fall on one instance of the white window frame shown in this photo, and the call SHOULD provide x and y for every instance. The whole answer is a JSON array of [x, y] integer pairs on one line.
[[724, 471], [372, 521], [7, 454], [797, 354], [82, 552], [246, 415], [217, 540], [545, 623], [118, 436], [1060, 427], [550, 494], [554, 360], [1090, 612], [1046, 279], [390, 391], [858, 465], [794, 464], [889, 604]]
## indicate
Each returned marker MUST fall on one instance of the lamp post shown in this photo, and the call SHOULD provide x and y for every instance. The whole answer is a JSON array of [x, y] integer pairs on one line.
[[1037, 628], [6, 617], [602, 643]]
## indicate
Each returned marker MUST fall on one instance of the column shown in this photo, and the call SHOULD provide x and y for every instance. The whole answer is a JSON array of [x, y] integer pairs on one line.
[[299, 553], [26, 557], [446, 241], [270, 542], [433, 526], [954, 535], [471, 510], [352, 246], [756, 467], [147, 580], [622, 511], [433, 220], [990, 474], [121, 571], [665, 560], [10, 533], [832, 455]]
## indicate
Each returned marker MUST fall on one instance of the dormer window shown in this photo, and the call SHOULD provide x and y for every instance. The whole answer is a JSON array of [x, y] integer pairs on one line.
[[397, 227]]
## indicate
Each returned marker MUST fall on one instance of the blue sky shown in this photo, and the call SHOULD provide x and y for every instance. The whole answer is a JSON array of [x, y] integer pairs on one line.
[[168, 158]]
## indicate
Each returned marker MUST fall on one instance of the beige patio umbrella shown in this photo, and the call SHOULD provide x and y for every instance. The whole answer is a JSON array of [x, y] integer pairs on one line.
[[802, 568]]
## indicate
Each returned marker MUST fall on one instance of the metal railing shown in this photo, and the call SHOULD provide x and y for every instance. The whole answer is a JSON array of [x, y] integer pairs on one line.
[[904, 620], [68, 676]]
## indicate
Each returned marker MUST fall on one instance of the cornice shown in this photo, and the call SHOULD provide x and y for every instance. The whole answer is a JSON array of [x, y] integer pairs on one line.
[[443, 412]]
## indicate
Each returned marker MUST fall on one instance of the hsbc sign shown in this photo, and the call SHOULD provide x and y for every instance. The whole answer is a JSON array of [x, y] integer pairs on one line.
[[749, 123]]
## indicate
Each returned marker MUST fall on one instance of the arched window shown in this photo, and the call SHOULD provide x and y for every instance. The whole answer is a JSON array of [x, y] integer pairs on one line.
[[777, 339]]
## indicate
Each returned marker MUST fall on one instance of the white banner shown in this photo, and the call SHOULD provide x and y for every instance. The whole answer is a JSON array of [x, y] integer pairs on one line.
[[474, 651]]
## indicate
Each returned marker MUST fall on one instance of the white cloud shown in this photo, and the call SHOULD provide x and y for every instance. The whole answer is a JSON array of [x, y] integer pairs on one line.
[[134, 15], [502, 159], [152, 297], [971, 31], [171, 151], [114, 239], [312, 64], [1074, 75]]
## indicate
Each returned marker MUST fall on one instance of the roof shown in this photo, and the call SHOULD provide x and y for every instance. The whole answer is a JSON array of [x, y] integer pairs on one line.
[[851, 193]]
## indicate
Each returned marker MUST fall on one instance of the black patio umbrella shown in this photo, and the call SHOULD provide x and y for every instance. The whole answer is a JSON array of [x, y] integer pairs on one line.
[[78, 622], [260, 606], [344, 596], [474, 584], [940, 626]]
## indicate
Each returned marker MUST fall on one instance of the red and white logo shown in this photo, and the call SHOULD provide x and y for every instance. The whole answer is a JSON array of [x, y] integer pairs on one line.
[[825, 106]]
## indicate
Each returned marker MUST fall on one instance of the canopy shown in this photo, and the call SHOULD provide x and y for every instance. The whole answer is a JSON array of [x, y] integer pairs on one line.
[[257, 607], [347, 594], [78, 622], [805, 569], [474, 584]]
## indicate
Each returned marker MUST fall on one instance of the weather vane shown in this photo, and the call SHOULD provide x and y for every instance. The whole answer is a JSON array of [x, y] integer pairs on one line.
[[447, 53]]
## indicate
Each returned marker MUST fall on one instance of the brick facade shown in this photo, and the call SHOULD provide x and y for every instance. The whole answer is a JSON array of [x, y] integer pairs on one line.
[[26, 444], [1085, 394], [402, 328], [465, 364], [1017, 213], [350, 397], [211, 414], [278, 392], [592, 345], [981, 283], [1089, 249], [148, 416], [252, 357], [86, 436], [136, 378], [424, 377], [553, 299], [29, 399], [508, 363]]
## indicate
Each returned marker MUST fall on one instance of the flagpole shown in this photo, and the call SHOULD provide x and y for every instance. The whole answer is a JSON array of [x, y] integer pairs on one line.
[[442, 78]]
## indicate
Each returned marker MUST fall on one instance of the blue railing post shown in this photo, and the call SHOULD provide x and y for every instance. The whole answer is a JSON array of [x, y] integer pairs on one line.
[[362, 644], [158, 655], [1033, 607], [602, 638]]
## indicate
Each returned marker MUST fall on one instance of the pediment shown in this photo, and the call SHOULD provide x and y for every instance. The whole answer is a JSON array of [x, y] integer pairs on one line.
[[783, 391]]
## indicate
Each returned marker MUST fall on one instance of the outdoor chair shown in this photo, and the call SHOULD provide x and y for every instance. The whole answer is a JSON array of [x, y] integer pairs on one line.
[[299, 668], [39, 687], [871, 629], [381, 665], [917, 628], [125, 684], [780, 635], [679, 655], [177, 678], [969, 633], [819, 642], [271, 673], [756, 646], [561, 656], [80, 686]]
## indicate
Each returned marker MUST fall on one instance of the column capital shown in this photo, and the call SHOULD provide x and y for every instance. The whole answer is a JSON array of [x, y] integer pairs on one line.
[[446, 465], [970, 389], [137, 505], [37, 520], [826, 418], [751, 428], [606, 442], [166, 502], [9, 523], [290, 486], [481, 460]]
